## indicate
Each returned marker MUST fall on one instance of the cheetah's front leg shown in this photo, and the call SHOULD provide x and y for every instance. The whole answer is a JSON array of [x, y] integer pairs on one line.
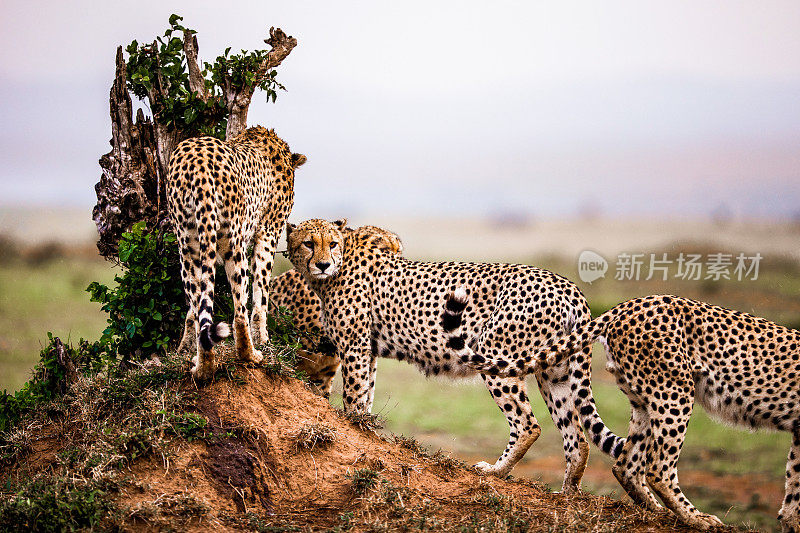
[[358, 380], [511, 396]]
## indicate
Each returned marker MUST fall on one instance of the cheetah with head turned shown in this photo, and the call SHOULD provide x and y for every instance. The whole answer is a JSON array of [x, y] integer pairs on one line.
[[223, 196], [377, 303], [667, 351], [317, 358]]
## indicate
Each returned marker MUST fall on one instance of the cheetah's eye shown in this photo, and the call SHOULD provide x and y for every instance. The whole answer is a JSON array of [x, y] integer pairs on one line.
[[309, 244], [333, 244]]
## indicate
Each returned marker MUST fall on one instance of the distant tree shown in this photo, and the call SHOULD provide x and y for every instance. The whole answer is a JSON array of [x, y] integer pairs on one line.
[[185, 101]]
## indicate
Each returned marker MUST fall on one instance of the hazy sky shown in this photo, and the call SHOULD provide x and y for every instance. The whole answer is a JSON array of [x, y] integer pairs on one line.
[[431, 107]]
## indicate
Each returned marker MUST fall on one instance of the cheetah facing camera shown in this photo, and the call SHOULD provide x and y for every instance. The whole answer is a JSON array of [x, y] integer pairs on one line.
[[224, 195], [319, 361], [380, 304], [664, 352]]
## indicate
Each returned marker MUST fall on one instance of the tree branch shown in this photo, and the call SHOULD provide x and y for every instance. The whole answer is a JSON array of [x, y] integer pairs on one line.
[[282, 45], [237, 99], [197, 83]]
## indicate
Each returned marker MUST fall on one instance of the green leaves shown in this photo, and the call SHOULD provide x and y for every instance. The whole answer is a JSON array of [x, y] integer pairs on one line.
[[146, 309], [243, 70], [180, 108]]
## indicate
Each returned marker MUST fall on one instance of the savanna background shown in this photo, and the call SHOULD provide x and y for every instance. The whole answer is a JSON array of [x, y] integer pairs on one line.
[[511, 132]]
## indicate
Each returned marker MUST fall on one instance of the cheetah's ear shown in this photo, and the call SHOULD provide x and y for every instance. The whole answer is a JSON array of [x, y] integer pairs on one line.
[[298, 160], [396, 244], [289, 229], [340, 224]]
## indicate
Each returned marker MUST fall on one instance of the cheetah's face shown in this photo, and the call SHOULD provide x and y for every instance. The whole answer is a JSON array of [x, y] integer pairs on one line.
[[315, 247]]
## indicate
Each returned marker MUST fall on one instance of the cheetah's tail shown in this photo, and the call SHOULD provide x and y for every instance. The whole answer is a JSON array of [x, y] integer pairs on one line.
[[455, 303], [578, 346], [211, 334]]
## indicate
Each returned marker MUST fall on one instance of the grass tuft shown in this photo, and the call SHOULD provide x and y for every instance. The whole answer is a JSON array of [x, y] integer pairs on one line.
[[410, 443], [313, 434], [364, 421], [363, 479], [160, 511]]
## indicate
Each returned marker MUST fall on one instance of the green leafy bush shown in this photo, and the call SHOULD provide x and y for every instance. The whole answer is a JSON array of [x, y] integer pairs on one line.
[[147, 308], [60, 506], [181, 108]]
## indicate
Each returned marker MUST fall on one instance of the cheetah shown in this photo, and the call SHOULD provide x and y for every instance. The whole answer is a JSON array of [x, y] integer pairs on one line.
[[380, 304], [317, 358], [223, 196], [667, 351]]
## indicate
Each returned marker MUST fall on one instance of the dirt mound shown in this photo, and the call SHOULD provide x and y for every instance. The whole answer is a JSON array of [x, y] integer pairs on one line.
[[272, 455]]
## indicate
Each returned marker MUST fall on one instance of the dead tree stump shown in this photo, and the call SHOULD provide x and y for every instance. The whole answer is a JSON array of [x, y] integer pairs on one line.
[[131, 187]]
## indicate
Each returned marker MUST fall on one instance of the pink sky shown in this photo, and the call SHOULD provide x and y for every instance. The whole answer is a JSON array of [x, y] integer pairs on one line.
[[422, 107]]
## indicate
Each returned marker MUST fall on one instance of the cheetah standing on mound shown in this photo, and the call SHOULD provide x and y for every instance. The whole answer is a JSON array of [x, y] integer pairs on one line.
[[223, 196], [319, 360], [380, 303], [667, 351]]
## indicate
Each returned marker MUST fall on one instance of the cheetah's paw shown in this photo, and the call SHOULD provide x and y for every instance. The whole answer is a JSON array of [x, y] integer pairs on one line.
[[487, 468], [204, 371]]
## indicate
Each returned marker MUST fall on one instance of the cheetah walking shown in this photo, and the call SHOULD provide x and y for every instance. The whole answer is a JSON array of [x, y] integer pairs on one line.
[[319, 360], [665, 352], [223, 196], [380, 303]]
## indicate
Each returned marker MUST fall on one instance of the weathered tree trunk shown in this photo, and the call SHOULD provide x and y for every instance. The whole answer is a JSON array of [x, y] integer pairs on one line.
[[131, 187], [128, 190]]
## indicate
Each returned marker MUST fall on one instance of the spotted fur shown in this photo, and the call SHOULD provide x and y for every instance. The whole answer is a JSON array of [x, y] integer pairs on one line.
[[667, 351], [379, 303], [223, 196], [318, 359]]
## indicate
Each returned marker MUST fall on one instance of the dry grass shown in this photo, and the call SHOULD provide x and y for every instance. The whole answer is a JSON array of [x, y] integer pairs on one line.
[[364, 421], [313, 434], [161, 511]]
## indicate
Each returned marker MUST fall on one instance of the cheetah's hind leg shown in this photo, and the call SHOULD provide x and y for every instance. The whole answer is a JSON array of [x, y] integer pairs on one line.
[[511, 396], [236, 270], [188, 342], [668, 432], [788, 515]]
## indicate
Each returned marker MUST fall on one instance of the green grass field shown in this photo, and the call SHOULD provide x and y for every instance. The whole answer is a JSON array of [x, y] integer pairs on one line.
[[35, 299], [724, 470]]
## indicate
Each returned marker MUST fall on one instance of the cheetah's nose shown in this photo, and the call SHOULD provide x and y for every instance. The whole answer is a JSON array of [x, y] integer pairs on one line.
[[323, 266]]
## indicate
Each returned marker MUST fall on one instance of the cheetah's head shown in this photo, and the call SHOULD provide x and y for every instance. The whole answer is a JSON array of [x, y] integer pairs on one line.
[[315, 247], [379, 238]]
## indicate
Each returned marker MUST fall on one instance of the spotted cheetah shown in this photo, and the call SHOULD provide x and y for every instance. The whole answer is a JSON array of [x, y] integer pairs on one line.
[[667, 351], [380, 303], [223, 196], [317, 358]]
